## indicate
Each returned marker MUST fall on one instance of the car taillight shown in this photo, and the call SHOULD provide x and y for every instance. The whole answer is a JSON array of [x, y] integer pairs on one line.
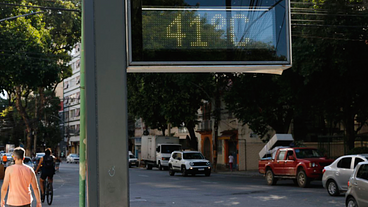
[[348, 183], [163, 158], [323, 171]]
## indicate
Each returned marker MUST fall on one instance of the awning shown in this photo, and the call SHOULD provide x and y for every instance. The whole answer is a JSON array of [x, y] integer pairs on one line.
[[225, 137]]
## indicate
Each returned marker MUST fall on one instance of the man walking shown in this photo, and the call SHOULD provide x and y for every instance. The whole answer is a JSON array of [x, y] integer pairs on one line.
[[18, 178]]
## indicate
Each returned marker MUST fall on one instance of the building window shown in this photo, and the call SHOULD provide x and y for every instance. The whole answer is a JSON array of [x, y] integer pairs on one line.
[[66, 115], [182, 130], [77, 112], [72, 114]]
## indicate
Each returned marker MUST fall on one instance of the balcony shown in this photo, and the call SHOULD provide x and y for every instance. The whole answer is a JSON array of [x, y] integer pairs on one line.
[[205, 125]]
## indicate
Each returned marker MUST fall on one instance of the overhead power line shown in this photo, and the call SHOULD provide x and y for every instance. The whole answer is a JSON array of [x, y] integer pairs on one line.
[[41, 7], [23, 15]]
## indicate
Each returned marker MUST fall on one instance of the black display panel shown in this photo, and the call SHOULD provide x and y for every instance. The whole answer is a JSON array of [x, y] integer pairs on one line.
[[203, 32]]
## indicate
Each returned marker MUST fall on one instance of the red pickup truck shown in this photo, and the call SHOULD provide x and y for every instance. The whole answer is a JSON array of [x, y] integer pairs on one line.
[[300, 164]]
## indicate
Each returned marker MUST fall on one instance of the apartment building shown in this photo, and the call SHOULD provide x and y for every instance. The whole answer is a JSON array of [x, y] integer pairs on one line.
[[71, 104]]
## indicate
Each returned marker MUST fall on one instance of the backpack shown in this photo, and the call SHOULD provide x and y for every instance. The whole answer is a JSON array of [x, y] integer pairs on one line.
[[48, 162]]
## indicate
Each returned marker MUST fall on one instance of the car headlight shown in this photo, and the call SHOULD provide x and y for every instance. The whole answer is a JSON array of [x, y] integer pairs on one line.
[[208, 163], [191, 163], [313, 164]]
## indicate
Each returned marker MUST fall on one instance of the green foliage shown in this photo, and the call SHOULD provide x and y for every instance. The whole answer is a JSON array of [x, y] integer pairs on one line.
[[34, 48], [34, 54], [263, 101], [167, 98], [358, 150]]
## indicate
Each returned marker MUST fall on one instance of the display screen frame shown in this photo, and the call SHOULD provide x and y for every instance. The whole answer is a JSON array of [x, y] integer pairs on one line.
[[275, 67]]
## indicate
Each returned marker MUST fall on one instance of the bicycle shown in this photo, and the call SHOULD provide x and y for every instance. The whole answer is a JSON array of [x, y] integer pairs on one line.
[[49, 192]]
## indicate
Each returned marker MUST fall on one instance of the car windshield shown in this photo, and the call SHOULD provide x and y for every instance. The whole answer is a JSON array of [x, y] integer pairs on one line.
[[191, 156], [131, 156], [307, 153], [170, 148], [27, 160], [73, 155]]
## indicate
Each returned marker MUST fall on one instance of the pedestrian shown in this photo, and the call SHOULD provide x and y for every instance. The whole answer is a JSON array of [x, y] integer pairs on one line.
[[231, 160], [4, 159], [18, 178]]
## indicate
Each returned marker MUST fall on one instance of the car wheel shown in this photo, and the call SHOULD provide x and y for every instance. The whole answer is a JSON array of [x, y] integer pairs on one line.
[[148, 167], [332, 188], [208, 174], [270, 177], [130, 166], [302, 179], [184, 171], [171, 171], [351, 202], [160, 166]]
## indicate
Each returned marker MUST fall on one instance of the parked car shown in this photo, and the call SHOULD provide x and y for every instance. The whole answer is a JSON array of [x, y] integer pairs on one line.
[[358, 187], [37, 158], [72, 158], [132, 160], [28, 161], [336, 176], [189, 162]]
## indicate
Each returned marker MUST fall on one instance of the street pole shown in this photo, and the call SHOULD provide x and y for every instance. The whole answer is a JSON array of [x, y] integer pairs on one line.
[[82, 134]]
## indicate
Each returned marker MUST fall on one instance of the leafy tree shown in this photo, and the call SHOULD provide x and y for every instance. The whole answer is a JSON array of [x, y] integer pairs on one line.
[[34, 51], [264, 101], [330, 54], [160, 99]]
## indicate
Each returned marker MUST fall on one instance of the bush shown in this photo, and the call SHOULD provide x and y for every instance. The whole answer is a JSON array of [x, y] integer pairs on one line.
[[358, 150]]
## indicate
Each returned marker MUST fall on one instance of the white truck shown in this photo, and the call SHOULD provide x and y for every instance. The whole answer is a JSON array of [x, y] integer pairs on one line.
[[156, 150]]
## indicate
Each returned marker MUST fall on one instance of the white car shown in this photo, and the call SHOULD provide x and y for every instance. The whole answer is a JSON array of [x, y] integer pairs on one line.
[[336, 176], [72, 158], [132, 160], [28, 161], [358, 187], [189, 162]]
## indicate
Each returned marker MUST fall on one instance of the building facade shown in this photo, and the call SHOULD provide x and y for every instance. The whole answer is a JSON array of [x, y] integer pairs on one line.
[[71, 105]]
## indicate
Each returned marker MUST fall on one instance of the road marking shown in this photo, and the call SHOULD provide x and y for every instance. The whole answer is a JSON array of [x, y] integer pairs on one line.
[[209, 182], [138, 200]]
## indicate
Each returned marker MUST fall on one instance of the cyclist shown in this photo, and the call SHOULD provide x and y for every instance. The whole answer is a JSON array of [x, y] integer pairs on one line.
[[48, 169]]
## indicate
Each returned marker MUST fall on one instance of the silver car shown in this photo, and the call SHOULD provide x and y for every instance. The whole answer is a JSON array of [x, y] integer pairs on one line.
[[358, 187], [336, 176]]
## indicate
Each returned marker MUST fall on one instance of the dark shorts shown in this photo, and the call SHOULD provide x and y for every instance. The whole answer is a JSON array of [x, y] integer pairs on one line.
[[28, 205], [47, 173]]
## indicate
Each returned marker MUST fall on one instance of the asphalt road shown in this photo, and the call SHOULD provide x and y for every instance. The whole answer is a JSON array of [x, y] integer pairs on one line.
[[149, 188]]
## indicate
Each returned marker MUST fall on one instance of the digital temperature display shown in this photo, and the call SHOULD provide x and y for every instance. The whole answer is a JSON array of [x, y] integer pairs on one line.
[[210, 28], [209, 32]]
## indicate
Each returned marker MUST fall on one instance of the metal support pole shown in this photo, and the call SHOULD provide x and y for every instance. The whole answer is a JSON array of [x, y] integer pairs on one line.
[[82, 127], [105, 52]]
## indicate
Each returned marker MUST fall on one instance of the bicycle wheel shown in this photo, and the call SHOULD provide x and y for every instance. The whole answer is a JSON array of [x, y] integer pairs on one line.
[[50, 193]]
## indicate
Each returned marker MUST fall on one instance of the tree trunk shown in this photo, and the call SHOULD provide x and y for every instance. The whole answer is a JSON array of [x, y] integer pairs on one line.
[[193, 138], [349, 131], [217, 119], [25, 117]]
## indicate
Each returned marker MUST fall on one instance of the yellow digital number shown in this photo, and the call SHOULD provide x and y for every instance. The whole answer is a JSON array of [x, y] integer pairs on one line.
[[232, 32], [198, 42], [178, 35]]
